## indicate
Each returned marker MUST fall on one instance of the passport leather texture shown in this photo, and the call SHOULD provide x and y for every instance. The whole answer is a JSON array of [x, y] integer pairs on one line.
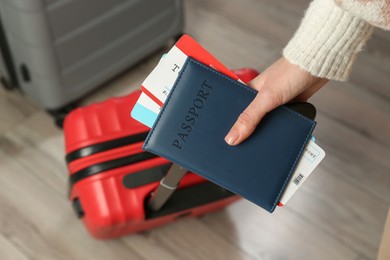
[[200, 110]]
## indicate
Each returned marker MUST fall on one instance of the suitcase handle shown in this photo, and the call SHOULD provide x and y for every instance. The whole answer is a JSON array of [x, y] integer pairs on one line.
[[167, 186]]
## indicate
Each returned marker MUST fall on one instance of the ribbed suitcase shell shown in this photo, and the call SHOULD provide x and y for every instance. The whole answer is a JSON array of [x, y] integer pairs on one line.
[[106, 204]]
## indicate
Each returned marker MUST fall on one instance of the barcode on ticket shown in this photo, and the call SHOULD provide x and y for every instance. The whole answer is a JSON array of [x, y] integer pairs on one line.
[[298, 179]]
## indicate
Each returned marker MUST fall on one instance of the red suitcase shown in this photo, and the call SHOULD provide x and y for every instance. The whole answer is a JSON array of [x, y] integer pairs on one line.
[[111, 177]]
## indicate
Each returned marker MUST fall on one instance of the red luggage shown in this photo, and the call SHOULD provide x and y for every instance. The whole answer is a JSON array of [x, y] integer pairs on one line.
[[112, 178]]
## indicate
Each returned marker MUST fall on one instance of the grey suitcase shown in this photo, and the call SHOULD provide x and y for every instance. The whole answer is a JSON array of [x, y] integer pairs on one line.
[[56, 51]]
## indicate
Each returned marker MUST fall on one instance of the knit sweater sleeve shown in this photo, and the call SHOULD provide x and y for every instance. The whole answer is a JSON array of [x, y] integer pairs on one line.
[[329, 38]]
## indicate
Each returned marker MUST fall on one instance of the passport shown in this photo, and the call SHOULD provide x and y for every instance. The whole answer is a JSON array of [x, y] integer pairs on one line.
[[198, 113]]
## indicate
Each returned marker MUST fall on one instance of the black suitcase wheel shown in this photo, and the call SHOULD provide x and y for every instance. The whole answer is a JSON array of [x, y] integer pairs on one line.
[[6, 84], [178, 36], [77, 208], [60, 114]]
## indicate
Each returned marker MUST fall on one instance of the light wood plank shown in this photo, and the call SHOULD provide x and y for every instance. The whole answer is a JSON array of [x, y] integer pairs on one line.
[[190, 239], [371, 70], [9, 250], [281, 235], [37, 145], [148, 248], [355, 156], [356, 108], [341, 209], [14, 108], [233, 45]]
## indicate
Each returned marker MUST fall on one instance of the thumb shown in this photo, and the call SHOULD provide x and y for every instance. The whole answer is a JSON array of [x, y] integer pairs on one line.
[[249, 119]]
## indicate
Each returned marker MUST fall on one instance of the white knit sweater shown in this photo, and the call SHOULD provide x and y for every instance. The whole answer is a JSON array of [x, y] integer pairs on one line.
[[333, 32]]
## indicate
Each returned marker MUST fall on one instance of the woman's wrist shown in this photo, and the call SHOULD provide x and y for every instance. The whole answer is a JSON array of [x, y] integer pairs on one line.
[[327, 41]]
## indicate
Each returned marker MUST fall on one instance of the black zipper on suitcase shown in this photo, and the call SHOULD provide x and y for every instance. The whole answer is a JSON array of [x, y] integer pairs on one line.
[[109, 165], [7, 57]]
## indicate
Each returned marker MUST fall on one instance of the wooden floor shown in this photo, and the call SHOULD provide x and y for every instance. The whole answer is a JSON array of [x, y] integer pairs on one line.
[[339, 213]]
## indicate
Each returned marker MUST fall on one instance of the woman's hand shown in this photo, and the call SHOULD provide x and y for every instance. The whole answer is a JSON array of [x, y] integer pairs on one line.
[[279, 84]]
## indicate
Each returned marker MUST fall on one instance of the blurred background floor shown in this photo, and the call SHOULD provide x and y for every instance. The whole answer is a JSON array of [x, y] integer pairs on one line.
[[339, 213]]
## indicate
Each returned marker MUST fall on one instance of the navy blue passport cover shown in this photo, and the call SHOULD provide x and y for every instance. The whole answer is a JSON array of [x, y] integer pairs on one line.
[[200, 110]]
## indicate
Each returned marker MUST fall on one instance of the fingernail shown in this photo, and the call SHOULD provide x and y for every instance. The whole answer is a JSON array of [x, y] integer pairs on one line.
[[231, 137]]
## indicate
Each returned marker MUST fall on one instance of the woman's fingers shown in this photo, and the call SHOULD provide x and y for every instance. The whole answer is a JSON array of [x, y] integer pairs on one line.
[[249, 119], [280, 83]]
